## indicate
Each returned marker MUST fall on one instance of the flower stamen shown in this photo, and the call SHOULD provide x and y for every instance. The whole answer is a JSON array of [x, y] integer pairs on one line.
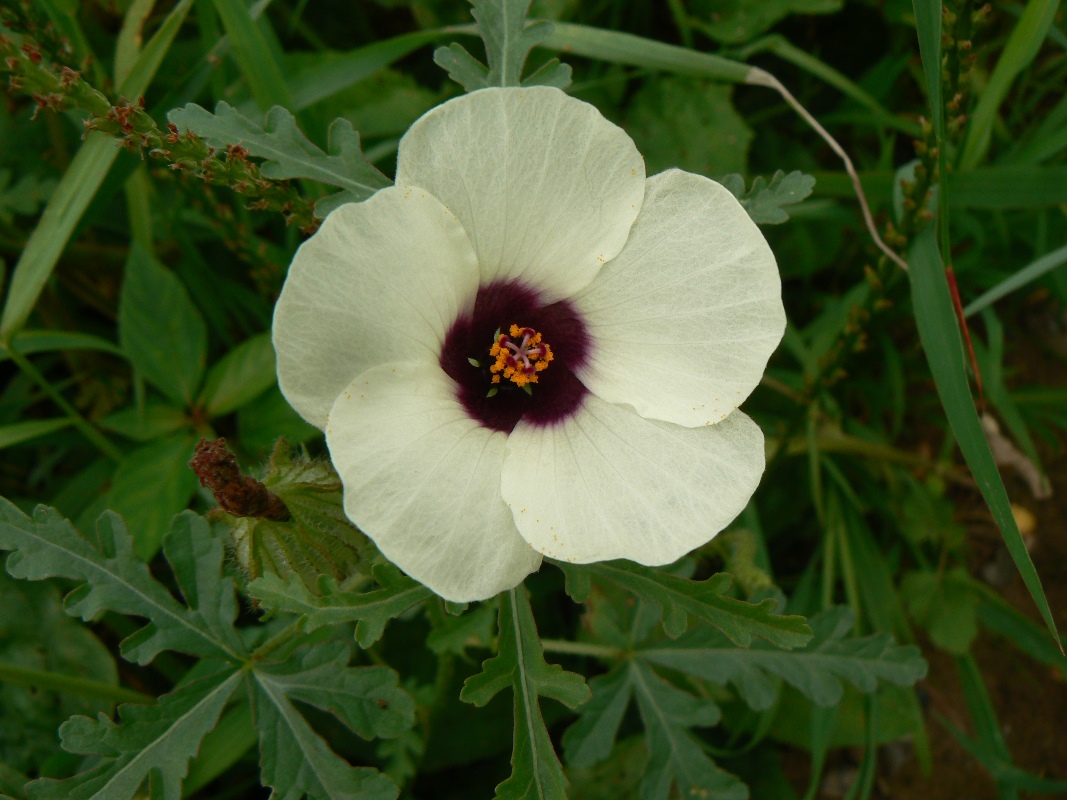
[[519, 356]]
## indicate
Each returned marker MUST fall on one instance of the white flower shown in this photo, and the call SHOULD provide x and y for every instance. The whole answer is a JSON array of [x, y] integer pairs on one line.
[[658, 299]]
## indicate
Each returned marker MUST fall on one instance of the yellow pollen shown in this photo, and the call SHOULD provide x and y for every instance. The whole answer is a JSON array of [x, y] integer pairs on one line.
[[519, 356]]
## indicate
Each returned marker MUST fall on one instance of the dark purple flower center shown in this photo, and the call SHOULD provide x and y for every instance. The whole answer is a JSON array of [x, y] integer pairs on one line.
[[557, 394]]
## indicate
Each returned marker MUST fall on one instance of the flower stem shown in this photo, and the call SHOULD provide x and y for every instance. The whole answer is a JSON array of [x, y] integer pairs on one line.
[[69, 684], [582, 649]]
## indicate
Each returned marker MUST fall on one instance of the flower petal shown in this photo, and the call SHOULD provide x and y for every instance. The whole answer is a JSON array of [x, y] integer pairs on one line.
[[545, 186], [684, 319], [381, 281], [422, 479], [608, 483]]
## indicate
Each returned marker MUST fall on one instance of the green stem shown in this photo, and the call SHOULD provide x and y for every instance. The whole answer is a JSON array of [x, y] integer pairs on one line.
[[69, 684], [276, 641], [582, 649], [80, 422]]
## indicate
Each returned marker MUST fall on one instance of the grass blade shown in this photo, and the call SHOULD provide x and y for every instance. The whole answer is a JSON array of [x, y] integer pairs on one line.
[[928, 27], [1027, 274], [943, 345], [253, 55], [77, 188], [1020, 50]]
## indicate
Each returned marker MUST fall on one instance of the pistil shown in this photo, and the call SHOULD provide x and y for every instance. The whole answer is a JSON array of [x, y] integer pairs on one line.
[[520, 355]]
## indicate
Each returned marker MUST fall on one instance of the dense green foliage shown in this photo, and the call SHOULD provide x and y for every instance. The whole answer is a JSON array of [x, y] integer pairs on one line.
[[160, 162]]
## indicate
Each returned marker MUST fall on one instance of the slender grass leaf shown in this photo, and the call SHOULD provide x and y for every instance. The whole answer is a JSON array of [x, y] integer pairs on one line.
[[114, 579], [1005, 620], [678, 598], [289, 153], [131, 35], [675, 757], [626, 48], [296, 762], [160, 329], [928, 26], [333, 75], [253, 55], [370, 610], [1025, 40], [240, 377], [535, 769], [816, 669], [1028, 274], [368, 700], [19, 432], [78, 187], [151, 485], [152, 744], [29, 342], [941, 340]]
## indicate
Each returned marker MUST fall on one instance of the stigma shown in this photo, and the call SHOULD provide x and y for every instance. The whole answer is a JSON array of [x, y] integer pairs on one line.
[[519, 356]]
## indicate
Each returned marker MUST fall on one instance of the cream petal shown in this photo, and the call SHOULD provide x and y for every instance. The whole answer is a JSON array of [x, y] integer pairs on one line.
[[608, 483], [546, 188], [422, 479], [381, 281], [684, 319]]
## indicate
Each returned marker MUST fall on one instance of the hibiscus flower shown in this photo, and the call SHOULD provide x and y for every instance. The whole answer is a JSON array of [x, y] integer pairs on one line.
[[527, 348]]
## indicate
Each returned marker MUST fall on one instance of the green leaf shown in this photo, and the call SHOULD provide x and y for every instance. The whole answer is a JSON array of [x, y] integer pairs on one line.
[[941, 340], [36, 635], [269, 417], [128, 41], [675, 757], [1029, 273], [114, 579], [239, 377], [508, 42], [151, 485], [296, 762], [368, 700], [160, 329], [590, 740], [535, 769], [945, 605], [737, 21], [370, 610], [25, 197], [625, 48], [28, 342], [78, 187], [152, 743], [678, 598], [148, 423], [1023, 44], [763, 201], [289, 153], [815, 669], [19, 432], [928, 27], [253, 54], [471, 629], [690, 124]]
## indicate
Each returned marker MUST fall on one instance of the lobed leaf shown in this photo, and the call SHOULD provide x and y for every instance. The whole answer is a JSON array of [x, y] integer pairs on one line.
[[368, 700], [370, 610], [763, 201], [508, 42], [678, 598], [114, 579], [289, 153], [535, 769], [816, 669], [152, 743], [296, 762]]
